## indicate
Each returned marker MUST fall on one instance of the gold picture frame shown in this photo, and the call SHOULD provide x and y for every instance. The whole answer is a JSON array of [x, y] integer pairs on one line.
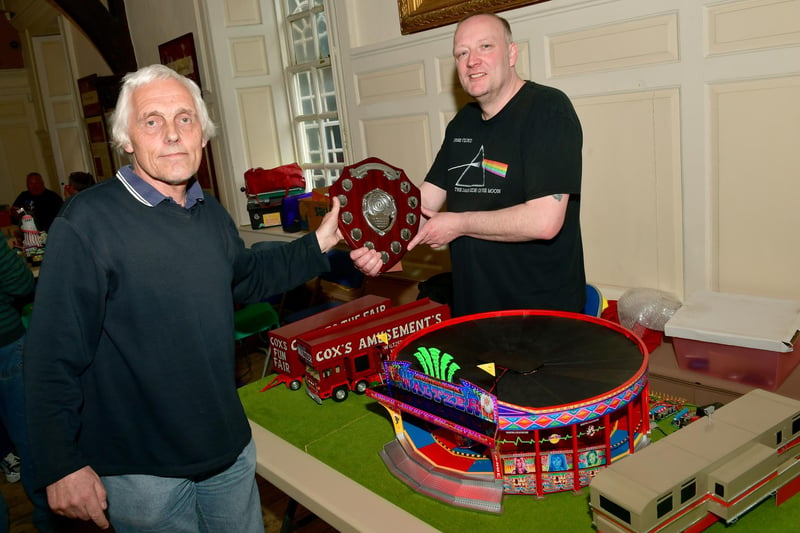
[[420, 15]]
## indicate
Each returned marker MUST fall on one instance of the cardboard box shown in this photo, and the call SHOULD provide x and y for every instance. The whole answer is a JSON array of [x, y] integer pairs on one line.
[[313, 208], [741, 338], [283, 340]]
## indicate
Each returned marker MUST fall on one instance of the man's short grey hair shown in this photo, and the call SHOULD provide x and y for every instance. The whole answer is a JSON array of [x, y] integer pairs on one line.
[[504, 22], [120, 119]]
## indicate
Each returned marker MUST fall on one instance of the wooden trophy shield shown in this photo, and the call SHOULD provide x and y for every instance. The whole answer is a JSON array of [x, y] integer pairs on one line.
[[380, 208]]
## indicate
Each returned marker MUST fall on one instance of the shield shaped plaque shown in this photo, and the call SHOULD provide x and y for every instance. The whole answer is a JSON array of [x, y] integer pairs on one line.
[[380, 208]]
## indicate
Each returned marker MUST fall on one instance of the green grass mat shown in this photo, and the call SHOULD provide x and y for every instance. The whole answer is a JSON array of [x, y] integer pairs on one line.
[[348, 437]]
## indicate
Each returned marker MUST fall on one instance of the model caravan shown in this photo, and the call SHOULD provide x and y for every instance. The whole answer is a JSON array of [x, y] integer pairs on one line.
[[714, 469]]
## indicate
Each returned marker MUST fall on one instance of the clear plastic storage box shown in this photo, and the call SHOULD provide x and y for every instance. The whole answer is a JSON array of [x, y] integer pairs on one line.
[[747, 339]]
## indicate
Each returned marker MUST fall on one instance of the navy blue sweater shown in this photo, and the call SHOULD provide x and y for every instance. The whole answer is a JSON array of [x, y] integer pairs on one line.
[[129, 362]]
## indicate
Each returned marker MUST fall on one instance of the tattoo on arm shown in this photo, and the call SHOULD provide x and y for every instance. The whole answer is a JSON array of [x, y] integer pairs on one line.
[[558, 197]]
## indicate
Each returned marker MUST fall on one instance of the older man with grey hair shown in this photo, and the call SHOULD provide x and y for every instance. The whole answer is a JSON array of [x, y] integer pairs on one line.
[[129, 364]]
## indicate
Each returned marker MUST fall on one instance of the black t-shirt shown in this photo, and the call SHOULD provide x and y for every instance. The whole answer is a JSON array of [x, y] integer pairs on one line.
[[43, 208], [530, 149]]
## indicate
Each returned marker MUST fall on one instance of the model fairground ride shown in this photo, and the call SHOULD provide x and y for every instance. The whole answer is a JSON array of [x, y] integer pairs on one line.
[[714, 469], [514, 402]]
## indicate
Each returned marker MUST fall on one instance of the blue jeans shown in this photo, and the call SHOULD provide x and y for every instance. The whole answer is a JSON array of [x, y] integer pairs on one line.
[[222, 503], [12, 415]]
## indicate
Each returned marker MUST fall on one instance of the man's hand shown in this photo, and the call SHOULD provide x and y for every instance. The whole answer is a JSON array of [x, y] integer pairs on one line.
[[439, 229], [367, 261], [80, 494], [328, 234]]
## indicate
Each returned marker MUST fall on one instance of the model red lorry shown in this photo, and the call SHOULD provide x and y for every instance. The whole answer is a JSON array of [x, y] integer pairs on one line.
[[288, 367], [348, 357]]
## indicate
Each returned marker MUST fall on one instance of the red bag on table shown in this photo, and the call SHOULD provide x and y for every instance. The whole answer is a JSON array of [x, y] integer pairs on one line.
[[258, 180]]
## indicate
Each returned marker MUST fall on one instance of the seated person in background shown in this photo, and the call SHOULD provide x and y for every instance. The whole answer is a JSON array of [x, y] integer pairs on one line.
[[38, 201], [78, 181]]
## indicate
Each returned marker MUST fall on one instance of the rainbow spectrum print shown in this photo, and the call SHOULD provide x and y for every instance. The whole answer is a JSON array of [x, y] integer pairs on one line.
[[495, 167]]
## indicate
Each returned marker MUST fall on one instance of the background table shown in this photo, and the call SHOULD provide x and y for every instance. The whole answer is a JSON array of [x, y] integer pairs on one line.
[[348, 437]]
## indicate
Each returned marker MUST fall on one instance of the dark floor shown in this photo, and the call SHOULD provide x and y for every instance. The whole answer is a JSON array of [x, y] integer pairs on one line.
[[273, 501]]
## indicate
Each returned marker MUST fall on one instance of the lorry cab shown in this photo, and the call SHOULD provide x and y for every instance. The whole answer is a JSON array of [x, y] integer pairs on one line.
[[341, 375]]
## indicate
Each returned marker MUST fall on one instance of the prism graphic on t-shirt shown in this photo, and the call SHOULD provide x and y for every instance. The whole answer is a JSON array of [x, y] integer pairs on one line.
[[473, 174]]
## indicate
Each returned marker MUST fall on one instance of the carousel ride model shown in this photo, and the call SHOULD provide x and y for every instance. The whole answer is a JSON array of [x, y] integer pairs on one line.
[[513, 402]]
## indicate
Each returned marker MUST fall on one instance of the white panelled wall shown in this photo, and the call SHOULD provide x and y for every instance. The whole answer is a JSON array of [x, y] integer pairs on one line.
[[251, 96], [690, 111], [61, 107], [20, 150]]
